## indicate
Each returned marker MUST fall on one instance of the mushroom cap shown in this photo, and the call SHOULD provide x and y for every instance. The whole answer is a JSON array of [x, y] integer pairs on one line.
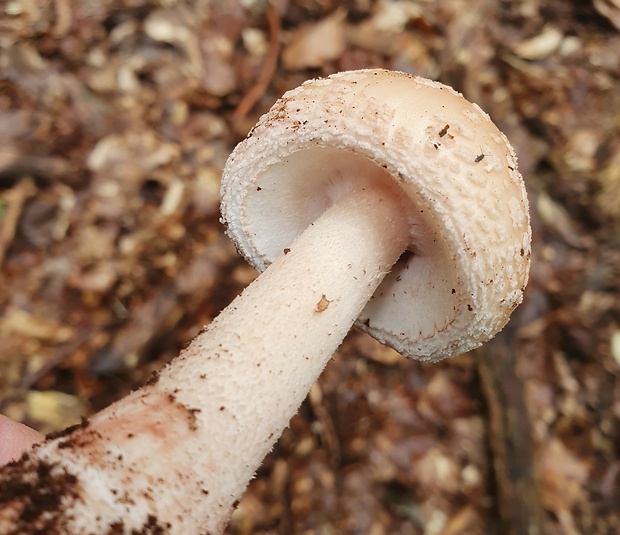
[[467, 263]]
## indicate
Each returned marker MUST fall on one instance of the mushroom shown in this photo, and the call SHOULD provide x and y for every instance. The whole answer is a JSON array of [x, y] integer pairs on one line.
[[369, 197]]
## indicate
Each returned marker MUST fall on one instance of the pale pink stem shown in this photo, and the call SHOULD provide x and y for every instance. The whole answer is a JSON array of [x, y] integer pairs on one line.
[[180, 451]]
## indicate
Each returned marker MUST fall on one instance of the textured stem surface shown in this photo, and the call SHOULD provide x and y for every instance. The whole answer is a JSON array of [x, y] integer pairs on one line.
[[174, 456]]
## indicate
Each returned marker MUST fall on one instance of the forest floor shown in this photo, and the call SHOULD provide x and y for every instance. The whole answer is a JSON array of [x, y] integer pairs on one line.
[[116, 118]]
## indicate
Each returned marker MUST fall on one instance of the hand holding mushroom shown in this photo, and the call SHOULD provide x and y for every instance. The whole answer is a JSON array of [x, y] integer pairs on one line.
[[369, 197]]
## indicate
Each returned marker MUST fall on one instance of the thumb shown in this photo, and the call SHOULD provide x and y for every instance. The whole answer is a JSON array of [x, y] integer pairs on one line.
[[15, 438]]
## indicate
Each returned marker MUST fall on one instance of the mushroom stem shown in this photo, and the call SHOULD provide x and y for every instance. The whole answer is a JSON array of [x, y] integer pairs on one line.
[[177, 453]]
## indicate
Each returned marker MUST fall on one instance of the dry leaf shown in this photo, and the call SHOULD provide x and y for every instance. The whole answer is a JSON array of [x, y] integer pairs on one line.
[[540, 46], [315, 45]]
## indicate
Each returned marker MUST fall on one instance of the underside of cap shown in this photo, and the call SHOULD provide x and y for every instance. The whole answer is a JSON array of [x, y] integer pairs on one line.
[[468, 261]]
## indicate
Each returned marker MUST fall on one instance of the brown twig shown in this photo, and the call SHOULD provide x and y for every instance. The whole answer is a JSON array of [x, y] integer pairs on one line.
[[269, 66], [510, 436]]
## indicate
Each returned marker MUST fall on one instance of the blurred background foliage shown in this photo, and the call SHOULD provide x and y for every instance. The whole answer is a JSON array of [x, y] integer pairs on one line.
[[116, 117]]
